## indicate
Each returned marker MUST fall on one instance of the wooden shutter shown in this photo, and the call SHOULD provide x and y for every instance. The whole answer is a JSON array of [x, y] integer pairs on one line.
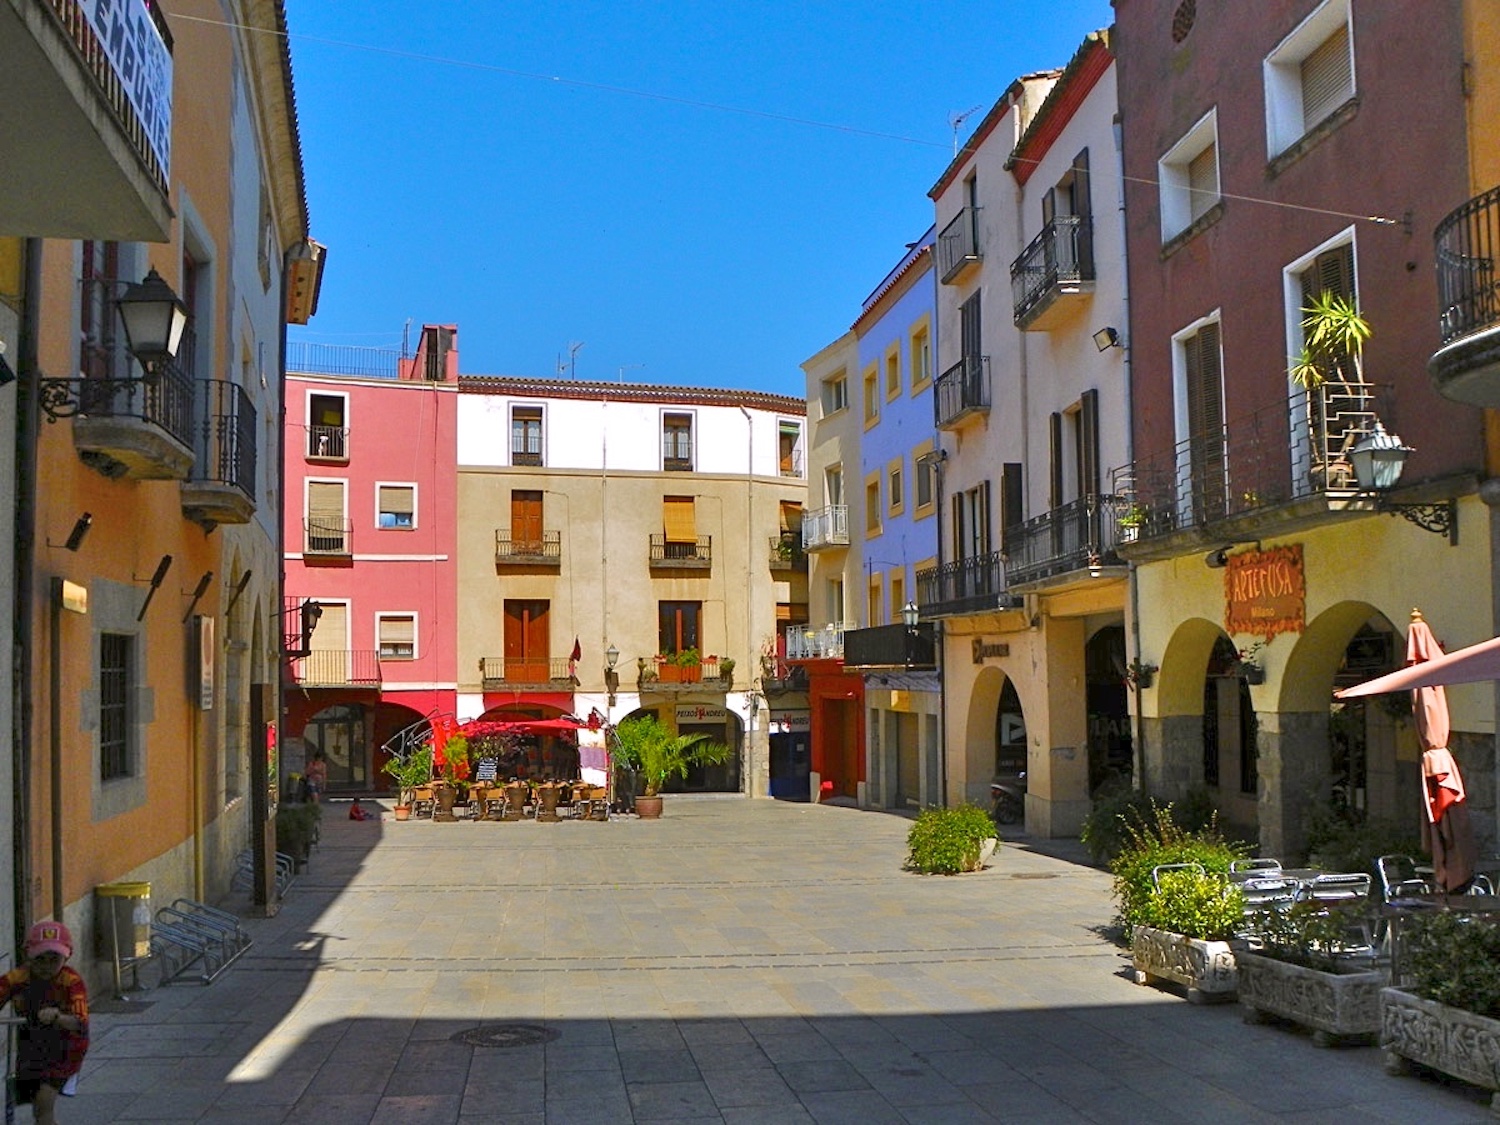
[[1088, 433], [791, 516], [1083, 207], [1012, 502], [982, 520], [1203, 181], [1054, 461], [325, 515], [960, 547], [1331, 272], [396, 499], [677, 519], [969, 334], [332, 631], [526, 641], [1206, 422], [1327, 78], [526, 517]]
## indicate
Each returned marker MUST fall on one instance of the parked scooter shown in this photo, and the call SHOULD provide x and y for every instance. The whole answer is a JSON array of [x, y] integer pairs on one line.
[[1008, 800]]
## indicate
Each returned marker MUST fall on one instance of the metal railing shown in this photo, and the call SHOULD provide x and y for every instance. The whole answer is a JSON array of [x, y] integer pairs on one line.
[[668, 553], [826, 527], [1468, 267], [787, 552], [1076, 535], [962, 390], [791, 464], [337, 668], [327, 443], [224, 448], [1281, 453], [165, 400], [816, 644], [545, 551], [970, 585], [494, 670], [328, 536], [958, 245], [306, 358], [1063, 253], [676, 452]]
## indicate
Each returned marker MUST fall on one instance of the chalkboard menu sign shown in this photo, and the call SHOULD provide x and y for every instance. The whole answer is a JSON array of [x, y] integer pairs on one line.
[[488, 770]]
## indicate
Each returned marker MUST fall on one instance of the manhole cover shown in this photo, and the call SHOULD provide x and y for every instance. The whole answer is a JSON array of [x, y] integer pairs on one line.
[[506, 1035], [1034, 875]]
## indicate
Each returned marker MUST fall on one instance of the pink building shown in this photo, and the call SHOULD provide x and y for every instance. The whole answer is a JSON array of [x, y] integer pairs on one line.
[[369, 548]]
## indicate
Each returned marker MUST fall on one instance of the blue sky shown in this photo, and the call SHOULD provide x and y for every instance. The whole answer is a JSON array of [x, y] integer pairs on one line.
[[483, 164]]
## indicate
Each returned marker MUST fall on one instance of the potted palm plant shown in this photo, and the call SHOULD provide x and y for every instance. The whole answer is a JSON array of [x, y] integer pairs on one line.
[[1330, 368], [409, 772], [657, 755]]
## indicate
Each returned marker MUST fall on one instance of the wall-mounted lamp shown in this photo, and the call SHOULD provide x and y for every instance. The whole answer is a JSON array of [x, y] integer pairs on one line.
[[156, 580], [1219, 559], [76, 537], [1107, 338], [910, 615], [611, 677], [154, 318], [198, 592], [1379, 459]]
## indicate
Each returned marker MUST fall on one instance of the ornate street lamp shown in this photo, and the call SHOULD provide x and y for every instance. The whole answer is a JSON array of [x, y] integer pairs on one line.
[[1378, 459], [154, 318]]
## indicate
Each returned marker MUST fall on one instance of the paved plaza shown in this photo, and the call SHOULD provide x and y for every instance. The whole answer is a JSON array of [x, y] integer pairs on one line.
[[737, 961]]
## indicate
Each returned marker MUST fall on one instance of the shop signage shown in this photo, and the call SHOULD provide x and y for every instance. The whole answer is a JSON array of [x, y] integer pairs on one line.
[[985, 650], [693, 713], [1265, 592], [141, 60], [206, 652], [791, 722]]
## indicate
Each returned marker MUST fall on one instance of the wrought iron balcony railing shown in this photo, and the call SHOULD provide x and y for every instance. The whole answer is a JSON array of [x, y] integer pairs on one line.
[[671, 554], [787, 553], [826, 527], [1283, 453], [1468, 267], [962, 390], [972, 585], [958, 246], [1060, 259], [328, 536], [327, 443], [676, 453], [526, 551], [1069, 538], [337, 668], [498, 670], [808, 643], [224, 450]]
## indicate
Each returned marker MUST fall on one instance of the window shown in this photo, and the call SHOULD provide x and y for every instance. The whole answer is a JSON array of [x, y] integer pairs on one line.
[[396, 506], [327, 528], [1309, 76], [116, 661], [833, 485], [898, 595], [526, 521], [893, 370], [527, 641], [836, 600], [924, 475], [921, 355], [397, 635], [99, 343], [835, 394], [872, 504], [875, 602], [525, 435], [971, 522], [1189, 176], [677, 626], [872, 396], [895, 494], [679, 528], [327, 427], [1198, 359], [789, 447], [1328, 269], [677, 443]]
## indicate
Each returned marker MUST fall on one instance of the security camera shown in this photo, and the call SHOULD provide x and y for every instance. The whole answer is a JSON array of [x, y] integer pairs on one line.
[[1217, 560]]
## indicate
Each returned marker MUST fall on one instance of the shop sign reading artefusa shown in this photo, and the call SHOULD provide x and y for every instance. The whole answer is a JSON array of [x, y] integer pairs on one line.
[[1265, 592]]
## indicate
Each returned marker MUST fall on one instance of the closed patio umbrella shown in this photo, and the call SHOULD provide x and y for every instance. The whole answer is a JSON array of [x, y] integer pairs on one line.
[[1446, 831]]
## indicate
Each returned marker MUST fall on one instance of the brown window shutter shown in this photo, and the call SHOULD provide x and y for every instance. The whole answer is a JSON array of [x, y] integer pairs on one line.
[[1327, 81], [677, 519], [1054, 461], [1089, 436], [325, 502]]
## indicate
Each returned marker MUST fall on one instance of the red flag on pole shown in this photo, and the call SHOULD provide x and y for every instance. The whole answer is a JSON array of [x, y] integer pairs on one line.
[[573, 658]]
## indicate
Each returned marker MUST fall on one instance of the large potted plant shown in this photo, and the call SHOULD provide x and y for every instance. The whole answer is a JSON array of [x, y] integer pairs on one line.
[[455, 775], [657, 755], [1330, 368], [1307, 968], [1448, 1017], [409, 772]]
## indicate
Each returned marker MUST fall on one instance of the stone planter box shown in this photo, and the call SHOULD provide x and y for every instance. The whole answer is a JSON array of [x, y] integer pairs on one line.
[[1451, 1040], [1333, 1005], [1205, 968]]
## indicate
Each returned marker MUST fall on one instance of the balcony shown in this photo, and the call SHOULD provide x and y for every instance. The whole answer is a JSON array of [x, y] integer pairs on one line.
[[328, 537], [550, 672], [327, 443], [787, 553], [676, 452], [958, 247], [961, 391], [825, 528], [545, 552], [86, 113], [808, 643], [1053, 275], [891, 646], [965, 586], [681, 555], [1061, 544], [672, 672], [1276, 471], [137, 428], [221, 488], [1466, 368], [337, 668], [791, 464]]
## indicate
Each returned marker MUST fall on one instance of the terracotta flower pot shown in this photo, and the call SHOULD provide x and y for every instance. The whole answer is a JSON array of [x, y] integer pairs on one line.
[[403, 812], [648, 808]]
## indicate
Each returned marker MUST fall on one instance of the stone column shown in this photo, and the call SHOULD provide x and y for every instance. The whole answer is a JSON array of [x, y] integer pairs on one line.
[[1296, 765]]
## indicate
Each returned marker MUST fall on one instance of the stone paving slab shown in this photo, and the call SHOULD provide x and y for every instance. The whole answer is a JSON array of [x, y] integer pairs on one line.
[[737, 961]]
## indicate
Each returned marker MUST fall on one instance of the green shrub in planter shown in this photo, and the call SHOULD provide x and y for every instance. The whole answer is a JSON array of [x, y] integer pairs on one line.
[[1206, 907], [297, 829], [1454, 959], [1115, 805], [1155, 840], [947, 841]]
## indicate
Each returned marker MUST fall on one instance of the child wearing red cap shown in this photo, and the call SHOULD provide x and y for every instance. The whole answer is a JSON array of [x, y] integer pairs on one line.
[[54, 1001]]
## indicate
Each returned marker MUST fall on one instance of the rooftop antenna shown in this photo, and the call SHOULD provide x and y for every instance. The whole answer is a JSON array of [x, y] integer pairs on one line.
[[957, 119], [406, 339], [573, 350], [624, 367]]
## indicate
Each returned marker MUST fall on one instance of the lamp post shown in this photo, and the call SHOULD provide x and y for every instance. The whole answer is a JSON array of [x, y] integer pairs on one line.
[[910, 615], [611, 677], [1378, 460]]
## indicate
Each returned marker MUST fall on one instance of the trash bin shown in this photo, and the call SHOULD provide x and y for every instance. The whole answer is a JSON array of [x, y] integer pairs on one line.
[[123, 915]]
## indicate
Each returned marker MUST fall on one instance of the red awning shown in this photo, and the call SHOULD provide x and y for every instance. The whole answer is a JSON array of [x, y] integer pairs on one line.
[[527, 726]]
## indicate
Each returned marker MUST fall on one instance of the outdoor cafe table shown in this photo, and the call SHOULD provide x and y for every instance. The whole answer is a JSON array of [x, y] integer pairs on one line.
[[1398, 910]]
